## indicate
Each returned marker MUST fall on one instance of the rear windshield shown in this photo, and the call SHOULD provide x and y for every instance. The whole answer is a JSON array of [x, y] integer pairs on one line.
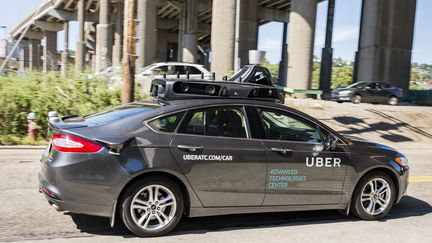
[[118, 113]]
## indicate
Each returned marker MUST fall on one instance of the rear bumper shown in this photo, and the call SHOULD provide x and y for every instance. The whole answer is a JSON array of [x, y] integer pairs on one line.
[[82, 183], [71, 204]]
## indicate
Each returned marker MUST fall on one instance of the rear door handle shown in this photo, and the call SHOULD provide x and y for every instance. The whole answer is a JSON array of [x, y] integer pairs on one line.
[[191, 148], [281, 150]]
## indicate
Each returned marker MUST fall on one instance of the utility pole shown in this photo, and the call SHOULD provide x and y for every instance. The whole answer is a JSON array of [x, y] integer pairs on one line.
[[129, 52]]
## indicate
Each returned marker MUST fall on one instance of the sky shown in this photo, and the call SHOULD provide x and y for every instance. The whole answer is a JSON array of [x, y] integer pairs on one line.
[[345, 36]]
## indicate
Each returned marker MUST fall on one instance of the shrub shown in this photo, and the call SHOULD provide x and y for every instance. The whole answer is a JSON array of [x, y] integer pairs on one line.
[[35, 92]]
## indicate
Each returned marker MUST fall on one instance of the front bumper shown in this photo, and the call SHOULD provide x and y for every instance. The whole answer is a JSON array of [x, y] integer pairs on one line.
[[403, 173], [340, 97]]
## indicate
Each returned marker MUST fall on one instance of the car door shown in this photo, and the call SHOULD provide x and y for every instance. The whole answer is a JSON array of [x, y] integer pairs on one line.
[[223, 165], [383, 92], [371, 93], [300, 169]]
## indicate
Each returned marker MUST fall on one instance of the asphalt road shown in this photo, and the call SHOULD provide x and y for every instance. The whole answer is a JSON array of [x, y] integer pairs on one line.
[[26, 216]]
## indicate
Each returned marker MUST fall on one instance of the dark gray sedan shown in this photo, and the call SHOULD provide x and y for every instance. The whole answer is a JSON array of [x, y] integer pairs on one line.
[[152, 163], [369, 92]]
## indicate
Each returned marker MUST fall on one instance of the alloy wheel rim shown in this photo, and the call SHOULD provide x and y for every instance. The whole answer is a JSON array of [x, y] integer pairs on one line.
[[393, 101], [375, 196], [153, 207], [357, 99]]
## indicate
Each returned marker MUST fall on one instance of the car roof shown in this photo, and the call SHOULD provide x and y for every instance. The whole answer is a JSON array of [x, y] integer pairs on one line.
[[174, 105], [177, 63]]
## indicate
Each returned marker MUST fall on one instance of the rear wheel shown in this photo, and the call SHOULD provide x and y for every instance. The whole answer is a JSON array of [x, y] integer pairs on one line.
[[374, 196], [356, 99], [393, 100], [152, 206]]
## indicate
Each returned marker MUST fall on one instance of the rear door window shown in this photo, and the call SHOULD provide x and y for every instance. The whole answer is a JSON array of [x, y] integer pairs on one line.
[[218, 122]]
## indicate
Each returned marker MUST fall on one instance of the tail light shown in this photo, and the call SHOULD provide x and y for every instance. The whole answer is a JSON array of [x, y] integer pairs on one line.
[[71, 144]]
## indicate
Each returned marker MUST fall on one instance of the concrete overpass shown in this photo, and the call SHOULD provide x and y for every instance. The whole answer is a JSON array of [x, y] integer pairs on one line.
[[187, 30]]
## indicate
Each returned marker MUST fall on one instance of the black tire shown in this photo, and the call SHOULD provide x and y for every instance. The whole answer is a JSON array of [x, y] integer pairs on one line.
[[357, 206], [138, 186], [392, 100], [356, 99]]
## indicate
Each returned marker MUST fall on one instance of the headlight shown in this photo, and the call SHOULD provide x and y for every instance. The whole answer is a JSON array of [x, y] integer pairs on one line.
[[345, 92], [401, 160]]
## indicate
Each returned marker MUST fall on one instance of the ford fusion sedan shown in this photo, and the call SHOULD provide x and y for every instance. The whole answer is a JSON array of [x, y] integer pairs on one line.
[[219, 150], [370, 92]]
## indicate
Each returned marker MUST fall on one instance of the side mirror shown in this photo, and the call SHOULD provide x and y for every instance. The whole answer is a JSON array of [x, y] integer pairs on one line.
[[331, 142]]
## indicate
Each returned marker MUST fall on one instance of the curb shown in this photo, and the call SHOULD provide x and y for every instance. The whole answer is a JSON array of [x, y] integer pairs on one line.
[[22, 147]]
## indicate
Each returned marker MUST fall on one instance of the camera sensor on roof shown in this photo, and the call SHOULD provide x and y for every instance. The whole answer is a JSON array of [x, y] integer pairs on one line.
[[194, 89]]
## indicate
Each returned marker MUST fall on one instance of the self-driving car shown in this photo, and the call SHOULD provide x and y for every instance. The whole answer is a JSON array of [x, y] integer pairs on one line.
[[371, 92], [202, 148]]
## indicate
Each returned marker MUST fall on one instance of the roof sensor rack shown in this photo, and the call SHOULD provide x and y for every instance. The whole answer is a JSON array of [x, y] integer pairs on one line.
[[199, 89]]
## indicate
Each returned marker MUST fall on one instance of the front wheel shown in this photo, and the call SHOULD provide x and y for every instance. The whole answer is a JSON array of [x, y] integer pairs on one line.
[[152, 206], [374, 196], [356, 99]]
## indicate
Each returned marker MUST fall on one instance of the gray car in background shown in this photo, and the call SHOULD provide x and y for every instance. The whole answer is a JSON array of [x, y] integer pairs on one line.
[[369, 92]]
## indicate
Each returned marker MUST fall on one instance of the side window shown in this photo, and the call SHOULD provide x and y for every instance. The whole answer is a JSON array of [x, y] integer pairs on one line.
[[166, 123], [193, 70], [284, 126], [384, 86], [371, 86], [180, 69], [218, 122]]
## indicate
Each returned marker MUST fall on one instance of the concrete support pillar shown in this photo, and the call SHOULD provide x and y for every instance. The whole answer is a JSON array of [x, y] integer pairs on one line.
[[386, 39], [147, 33], [34, 54], [248, 30], [327, 51], [300, 43], [117, 52], [189, 38], [103, 37], [284, 57], [222, 36], [24, 55], [65, 53], [50, 51], [80, 46]]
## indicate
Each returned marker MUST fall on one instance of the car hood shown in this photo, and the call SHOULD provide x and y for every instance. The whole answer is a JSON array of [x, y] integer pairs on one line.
[[341, 89], [361, 142]]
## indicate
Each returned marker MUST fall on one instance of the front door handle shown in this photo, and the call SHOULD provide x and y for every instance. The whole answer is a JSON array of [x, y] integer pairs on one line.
[[192, 148], [281, 150]]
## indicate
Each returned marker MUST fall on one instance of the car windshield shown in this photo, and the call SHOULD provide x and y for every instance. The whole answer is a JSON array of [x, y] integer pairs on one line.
[[146, 68], [119, 113], [240, 73], [357, 85]]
